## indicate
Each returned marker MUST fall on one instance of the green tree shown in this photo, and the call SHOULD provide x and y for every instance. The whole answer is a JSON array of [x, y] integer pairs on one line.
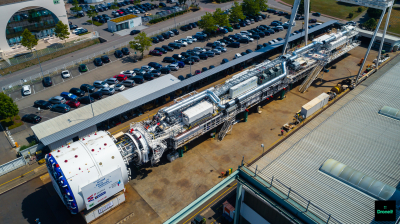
[[236, 13], [374, 13], [251, 7], [359, 9], [8, 108], [114, 5], [91, 13], [76, 7], [220, 18], [263, 5], [207, 22], [351, 15], [142, 42], [136, 2], [300, 10], [61, 31], [28, 40], [370, 24]]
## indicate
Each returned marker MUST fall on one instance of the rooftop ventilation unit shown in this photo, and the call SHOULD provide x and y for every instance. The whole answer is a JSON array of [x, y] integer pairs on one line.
[[390, 112]]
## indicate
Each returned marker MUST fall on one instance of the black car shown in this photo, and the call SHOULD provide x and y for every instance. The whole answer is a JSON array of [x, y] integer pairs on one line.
[[185, 54], [87, 88], [160, 49], [248, 51], [175, 45], [47, 81], [167, 48], [137, 78], [204, 69], [118, 54], [105, 59], [255, 37], [178, 57], [86, 100], [189, 76], [162, 4], [98, 62], [96, 95], [165, 70], [169, 60], [243, 53], [133, 32], [229, 39], [125, 51], [184, 28], [156, 73], [148, 76], [181, 77], [195, 58], [176, 32], [72, 27], [243, 40], [188, 61], [42, 104], [234, 45], [31, 118], [77, 92], [155, 40], [203, 56], [261, 34], [61, 108], [160, 38], [166, 35], [212, 45], [224, 61], [242, 24]]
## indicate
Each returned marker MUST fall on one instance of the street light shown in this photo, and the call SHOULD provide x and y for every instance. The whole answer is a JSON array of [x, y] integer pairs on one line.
[[262, 145], [39, 61]]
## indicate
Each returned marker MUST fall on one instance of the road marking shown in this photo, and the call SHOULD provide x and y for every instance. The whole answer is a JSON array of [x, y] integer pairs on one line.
[[208, 204], [21, 175]]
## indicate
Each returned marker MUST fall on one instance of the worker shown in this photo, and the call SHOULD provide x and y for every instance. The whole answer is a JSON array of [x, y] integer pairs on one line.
[[282, 132]]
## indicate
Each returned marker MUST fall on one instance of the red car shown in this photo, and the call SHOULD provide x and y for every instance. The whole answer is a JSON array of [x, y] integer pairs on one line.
[[155, 52], [73, 103], [121, 77], [197, 72]]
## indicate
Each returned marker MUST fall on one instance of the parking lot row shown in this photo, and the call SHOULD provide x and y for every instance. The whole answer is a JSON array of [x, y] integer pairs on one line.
[[117, 65]]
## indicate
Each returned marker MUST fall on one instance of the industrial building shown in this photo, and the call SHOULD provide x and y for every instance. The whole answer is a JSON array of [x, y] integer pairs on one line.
[[124, 22], [332, 170], [38, 16], [71, 127], [392, 43]]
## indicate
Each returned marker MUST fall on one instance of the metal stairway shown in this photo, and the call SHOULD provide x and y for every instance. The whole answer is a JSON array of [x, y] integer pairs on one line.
[[227, 127], [312, 76]]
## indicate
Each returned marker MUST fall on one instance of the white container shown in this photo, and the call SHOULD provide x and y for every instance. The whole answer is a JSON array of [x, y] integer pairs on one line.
[[314, 105], [193, 114], [243, 87]]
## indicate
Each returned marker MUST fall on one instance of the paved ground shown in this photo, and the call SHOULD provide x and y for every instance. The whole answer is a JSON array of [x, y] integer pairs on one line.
[[168, 187]]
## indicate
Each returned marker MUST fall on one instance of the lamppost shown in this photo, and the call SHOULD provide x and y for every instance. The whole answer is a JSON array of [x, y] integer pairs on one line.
[[39, 61], [262, 145]]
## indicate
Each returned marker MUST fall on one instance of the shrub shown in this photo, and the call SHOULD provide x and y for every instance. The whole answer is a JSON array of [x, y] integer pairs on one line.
[[32, 143], [359, 9], [351, 15]]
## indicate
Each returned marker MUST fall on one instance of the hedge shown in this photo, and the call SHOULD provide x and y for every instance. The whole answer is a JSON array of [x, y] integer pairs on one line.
[[153, 21], [223, 1]]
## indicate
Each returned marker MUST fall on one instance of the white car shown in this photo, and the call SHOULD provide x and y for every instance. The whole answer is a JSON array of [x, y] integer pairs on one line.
[[173, 67], [249, 38], [65, 74], [200, 49], [237, 55], [219, 43], [77, 30], [181, 42], [193, 39], [119, 87], [222, 49], [136, 11], [245, 33], [187, 40], [127, 72], [147, 68], [26, 90]]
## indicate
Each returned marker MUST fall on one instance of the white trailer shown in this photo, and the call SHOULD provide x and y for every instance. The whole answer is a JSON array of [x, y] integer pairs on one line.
[[197, 112], [243, 87], [314, 105]]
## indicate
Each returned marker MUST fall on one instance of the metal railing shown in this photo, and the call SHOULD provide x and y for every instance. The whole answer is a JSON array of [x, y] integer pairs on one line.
[[12, 165], [8, 62], [296, 197]]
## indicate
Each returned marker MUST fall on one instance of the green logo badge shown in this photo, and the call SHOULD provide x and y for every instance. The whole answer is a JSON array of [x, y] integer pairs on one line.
[[56, 2]]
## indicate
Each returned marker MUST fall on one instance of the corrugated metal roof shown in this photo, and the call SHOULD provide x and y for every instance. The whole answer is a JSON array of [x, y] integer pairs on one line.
[[64, 125], [355, 135], [146, 94]]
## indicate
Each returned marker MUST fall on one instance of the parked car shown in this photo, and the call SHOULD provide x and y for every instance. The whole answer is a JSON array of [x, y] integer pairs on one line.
[[155, 53], [57, 100], [96, 95], [61, 108], [73, 103], [139, 71], [77, 92], [87, 88], [31, 118], [118, 54], [121, 77], [100, 84], [224, 61], [107, 91], [197, 72], [127, 83], [47, 81], [133, 32], [86, 100], [105, 59], [147, 68], [42, 104], [234, 45], [65, 74], [169, 60], [203, 56], [83, 68], [68, 96], [156, 73], [155, 65], [119, 87], [173, 67], [138, 79], [165, 70], [167, 48], [181, 77], [98, 62], [111, 81], [312, 20], [125, 51]]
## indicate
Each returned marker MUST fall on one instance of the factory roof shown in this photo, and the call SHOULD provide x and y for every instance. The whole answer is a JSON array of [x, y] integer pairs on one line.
[[355, 135], [59, 127], [76, 120]]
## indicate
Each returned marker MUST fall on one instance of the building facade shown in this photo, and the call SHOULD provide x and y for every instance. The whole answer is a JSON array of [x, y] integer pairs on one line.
[[38, 16]]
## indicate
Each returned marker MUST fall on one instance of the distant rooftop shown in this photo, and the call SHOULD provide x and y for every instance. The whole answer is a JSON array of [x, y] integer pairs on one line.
[[123, 18], [355, 135], [5, 2]]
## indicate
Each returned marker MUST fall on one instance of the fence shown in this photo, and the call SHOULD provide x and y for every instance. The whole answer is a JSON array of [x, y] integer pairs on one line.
[[296, 197], [40, 53], [12, 165]]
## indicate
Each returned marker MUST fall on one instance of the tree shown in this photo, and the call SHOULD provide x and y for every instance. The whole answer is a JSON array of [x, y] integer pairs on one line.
[[8, 108], [220, 18], [359, 9], [28, 40], [236, 13], [114, 5], [91, 13], [370, 24], [136, 2], [76, 7], [207, 23], [374, 13], [351, 15], [61, 31], [263, 4], [300, 10], [142, 42], [250, 7]]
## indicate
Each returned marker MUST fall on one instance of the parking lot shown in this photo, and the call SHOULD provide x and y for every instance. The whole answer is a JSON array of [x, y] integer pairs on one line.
[[126, 63]]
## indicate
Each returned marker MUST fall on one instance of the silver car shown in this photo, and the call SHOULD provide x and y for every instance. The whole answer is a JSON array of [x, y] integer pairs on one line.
[[107, 91], [216, 51], [128, 83], [100, 84], [57, 100], [222, 49], [111, 81]]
